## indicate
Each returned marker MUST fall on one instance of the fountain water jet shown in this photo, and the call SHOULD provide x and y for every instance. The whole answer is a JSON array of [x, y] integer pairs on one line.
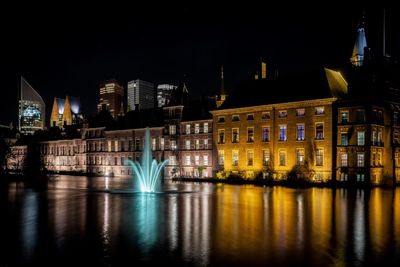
[[148, 170]]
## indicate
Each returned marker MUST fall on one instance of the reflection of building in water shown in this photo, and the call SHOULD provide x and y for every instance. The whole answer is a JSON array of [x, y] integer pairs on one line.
[[30, 220], [31, 109]]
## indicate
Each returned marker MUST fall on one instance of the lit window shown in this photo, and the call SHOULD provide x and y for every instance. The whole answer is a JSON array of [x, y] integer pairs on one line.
[[344, 139], [282, 158], [235, 118], [235, 157], [205, 160], [360, 159], [221, 157], [300, 112], [379, 137], [344, 115], [197, 160], [173, 144], [250, 157], [205, 127], [250, 117], [235, 135], [282, 114], [172, 129], [265, 134], [265, 115], [116, 148], [319, 131], [282, 133], [221, 136], [250, 135], [300, 157], [187, 160], [197, 143], [187, 144], [300, 132], [205, 143], [153, 144], [187, 128], [172, 160], [343, 160], [319, 157], [361, 138], [266, 157], [319, 110], [161, 143]]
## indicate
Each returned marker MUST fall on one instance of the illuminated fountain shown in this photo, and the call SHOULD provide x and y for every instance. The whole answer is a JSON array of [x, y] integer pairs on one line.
[[148, 170]]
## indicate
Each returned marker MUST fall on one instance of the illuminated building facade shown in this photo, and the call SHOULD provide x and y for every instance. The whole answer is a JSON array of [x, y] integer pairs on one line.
[[164, 94], [368, 145], [66, 112], [99, 151], [276, 139], [140, 95], [32, 109], [111, 97], [196, 148]]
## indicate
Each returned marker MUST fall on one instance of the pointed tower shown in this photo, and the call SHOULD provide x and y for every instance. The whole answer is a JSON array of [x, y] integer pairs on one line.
[[222, 96], [358, 55], [121, 111], [54, 118], [67, 114]]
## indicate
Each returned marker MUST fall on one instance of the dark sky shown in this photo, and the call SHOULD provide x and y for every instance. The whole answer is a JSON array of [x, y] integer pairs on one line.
[[69, 50]]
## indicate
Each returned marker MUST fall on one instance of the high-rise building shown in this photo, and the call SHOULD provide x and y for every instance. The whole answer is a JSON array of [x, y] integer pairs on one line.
[[66, 111], [31, 115], [111, 96], [140, 95], [164, 92]]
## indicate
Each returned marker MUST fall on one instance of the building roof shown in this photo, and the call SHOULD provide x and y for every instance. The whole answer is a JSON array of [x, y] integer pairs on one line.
[[317, 84], [199, 109], [141, 118]]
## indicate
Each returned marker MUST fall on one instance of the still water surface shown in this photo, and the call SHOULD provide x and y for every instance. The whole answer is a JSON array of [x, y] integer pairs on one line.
[[100, 222]]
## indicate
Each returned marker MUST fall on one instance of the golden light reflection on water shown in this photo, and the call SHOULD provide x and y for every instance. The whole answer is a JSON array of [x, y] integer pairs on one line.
[[226, 225]]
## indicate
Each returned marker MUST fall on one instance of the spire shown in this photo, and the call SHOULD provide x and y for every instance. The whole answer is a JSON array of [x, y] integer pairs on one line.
[[121, 111], [54, 119], [222, 92], [357, 57], [67, 114], [184, 89], [222, 96]]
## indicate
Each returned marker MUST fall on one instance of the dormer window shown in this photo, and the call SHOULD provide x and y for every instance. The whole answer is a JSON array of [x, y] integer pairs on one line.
[[300, 112], [266, 115], [319, 110], [282, 114]]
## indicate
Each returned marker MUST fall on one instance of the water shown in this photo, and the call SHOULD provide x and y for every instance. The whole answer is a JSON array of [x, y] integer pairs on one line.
[[76, 222], [147, 171]]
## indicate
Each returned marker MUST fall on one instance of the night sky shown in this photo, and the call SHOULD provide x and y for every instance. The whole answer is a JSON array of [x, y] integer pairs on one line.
[[69, 50]]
